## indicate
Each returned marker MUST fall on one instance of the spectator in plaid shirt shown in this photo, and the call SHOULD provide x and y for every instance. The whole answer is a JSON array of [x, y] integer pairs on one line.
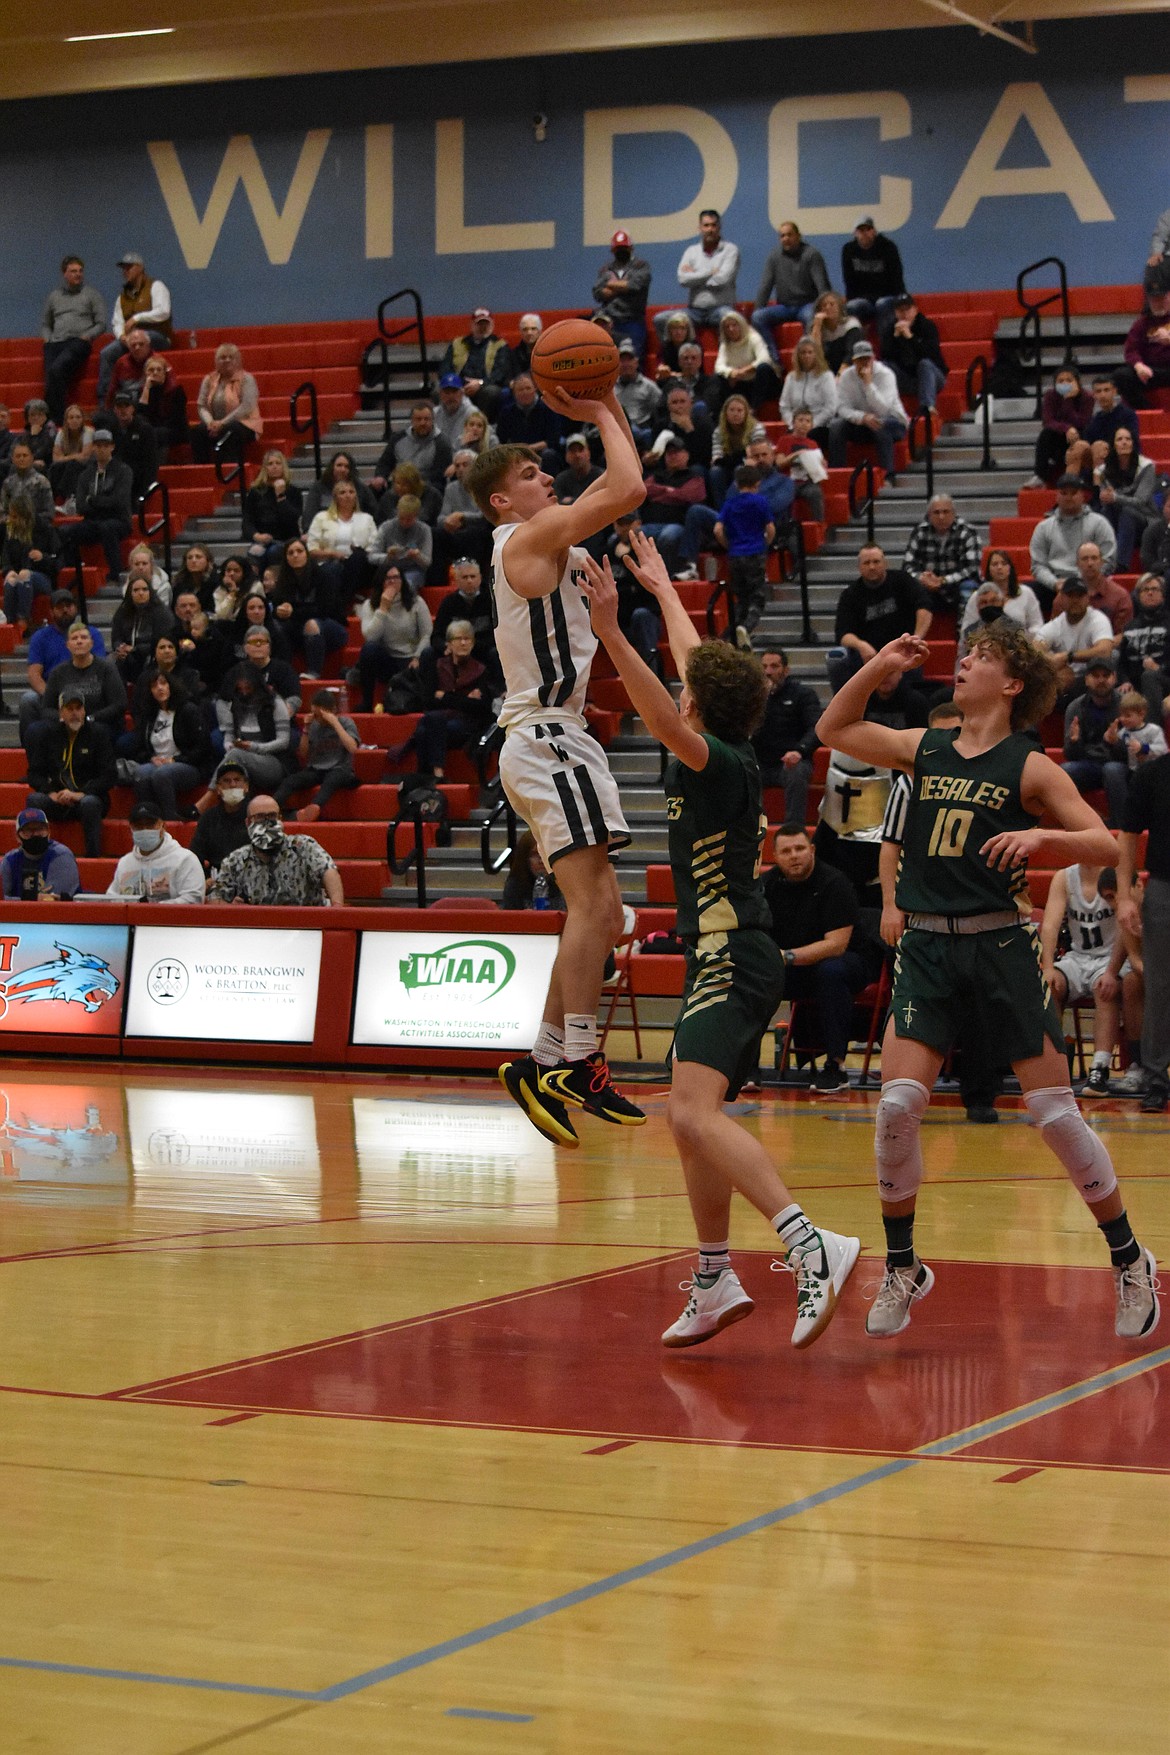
[[943, 555]]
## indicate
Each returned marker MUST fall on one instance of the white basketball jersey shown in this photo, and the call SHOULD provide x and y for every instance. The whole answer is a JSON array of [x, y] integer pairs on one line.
[[546, 644], [1092, 926]]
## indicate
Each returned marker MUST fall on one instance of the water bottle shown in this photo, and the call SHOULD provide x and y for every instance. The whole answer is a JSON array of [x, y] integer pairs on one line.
[[540, 892]]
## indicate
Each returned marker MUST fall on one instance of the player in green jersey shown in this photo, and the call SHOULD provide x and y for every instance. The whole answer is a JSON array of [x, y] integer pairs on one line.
[[735, 974], [968, 954]]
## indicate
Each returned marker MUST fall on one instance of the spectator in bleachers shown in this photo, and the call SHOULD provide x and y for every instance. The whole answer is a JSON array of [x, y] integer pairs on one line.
[[325, 755], [1109, 413], [477, 436], [453, 408], [621, 290], [834, 330], [222, 826], [198, 573], [1074, 639], [642, 401], [25, 479], [237, 582], [871, 273], [881, 604], [1155, 554], [143, 303], [1134, 740], [312, 596], [1147, 346], [708, 270], [259, 614], [679, 331], [942, 555], [777, 486], [787, 737], [794, 276], [162, 402], [1160, 242], [73, 317], [103, 499], [737, 428], [138, 622], [1125, 493], [135, 444], [201, 645], [746, 530], [228, 401], [340, 467], [157, 868], [1105, 594], [255, 724], [984, 606], [804, 463], [743, 361], [470, 600], [526, 419], [421, 445], [524, 868], [272, 509], [142, 564], [261, 661], [1019, 601], [461, 527], [71, 449], [1087, 752], [580, 471], [166, 660], [171, 751], [406, 540], [71, 768], [38, 869], [6, 435], [1065, 413], [460, 704], [344, 545], [898, 704], [1143, 651], [482, 360], [810, 384], [693, 426], [48, 648], [706, 389], [407, 480], [40, 433], [276, 870], [130, 372], [396, 632], [530, 326], [869, 410], [28, 561], [913, 350], [1057, 538], [639, 616], [673, 485]]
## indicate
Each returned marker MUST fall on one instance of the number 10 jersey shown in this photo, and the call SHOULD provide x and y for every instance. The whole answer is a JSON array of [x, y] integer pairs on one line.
[[956, 805]]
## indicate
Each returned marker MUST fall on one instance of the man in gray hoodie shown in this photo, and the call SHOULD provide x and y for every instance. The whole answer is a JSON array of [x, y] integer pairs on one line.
[[73, 317]]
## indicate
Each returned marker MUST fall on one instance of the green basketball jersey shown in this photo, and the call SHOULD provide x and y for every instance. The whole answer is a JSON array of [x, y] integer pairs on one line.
[[716, 828], [956, 806]]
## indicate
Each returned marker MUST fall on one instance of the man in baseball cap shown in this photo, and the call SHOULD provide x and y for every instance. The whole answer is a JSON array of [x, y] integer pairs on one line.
[[143, 303], [871, 273], [621, 290], [38, 869], [482, 362]]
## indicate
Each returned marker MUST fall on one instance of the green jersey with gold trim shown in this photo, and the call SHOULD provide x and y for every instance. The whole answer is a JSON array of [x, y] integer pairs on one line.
[[716, 828], [957, 804]]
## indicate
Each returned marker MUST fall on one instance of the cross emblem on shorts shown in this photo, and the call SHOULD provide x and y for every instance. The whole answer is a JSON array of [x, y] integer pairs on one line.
[[908, 1015]]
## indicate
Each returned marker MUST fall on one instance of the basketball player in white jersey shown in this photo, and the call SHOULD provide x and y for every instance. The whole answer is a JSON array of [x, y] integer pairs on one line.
[[1091, 967], [554, 773]]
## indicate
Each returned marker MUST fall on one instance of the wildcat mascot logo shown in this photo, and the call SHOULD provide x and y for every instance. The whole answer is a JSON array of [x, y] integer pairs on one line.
[[76, 977]]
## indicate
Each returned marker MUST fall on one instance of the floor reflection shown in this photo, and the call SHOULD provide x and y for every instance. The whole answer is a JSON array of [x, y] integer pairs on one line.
[[453, 1154]]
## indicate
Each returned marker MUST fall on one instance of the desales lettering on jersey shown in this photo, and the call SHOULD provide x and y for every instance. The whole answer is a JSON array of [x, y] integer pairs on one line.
[[957, 790]]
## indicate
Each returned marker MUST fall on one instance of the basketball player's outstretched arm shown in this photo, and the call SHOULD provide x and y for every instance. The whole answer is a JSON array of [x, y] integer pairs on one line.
[[649, 568], [843, 725], [617, 490], [1081, 839], [651, 700]]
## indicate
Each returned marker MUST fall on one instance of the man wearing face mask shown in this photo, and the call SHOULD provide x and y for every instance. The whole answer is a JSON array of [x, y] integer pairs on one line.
[[223, 827], [38, 869], [621, 290], [275, 869], [157, 868]]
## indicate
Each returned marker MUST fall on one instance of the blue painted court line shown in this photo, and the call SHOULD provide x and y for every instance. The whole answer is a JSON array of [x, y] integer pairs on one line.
[[498, 1718], [461, 1642]]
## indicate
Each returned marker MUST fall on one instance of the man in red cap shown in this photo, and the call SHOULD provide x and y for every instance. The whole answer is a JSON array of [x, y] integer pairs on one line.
[[620, 292], [483, 360]]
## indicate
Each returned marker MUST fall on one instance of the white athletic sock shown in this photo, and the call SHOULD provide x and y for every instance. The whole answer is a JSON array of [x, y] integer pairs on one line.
[[580, 1035], [549, 1046], [793, 1228], [1102, 1057], [714, 1257]]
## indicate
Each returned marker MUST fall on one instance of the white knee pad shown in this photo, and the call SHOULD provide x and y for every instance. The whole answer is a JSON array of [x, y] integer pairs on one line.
[[896, 1143], [1064, 1131]]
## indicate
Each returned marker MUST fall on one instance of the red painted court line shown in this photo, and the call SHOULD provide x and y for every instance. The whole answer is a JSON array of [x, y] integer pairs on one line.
[[605, 1449], [1017, 1475], [234, 1419]]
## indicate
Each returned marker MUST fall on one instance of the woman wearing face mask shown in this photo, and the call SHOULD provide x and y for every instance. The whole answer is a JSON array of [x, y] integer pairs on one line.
[[255, 725], [1065, 411], [224, 827], [157, 868], [1019, 602], [171, 747]]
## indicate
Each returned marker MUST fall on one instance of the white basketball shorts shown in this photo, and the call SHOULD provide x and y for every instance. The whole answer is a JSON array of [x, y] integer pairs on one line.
[[1082, 969], [558, 781]]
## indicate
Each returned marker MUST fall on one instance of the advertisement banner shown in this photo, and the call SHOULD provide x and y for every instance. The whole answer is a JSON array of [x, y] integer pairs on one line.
[[451, 990], [61, 979], [52, 1131], [210, 984], [197, 1148]]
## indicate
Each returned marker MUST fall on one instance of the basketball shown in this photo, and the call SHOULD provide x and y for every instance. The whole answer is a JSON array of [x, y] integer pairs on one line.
[[580, 357]]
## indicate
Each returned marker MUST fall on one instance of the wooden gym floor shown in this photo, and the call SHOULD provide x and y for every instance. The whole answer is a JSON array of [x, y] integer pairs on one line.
[[334, 1419]]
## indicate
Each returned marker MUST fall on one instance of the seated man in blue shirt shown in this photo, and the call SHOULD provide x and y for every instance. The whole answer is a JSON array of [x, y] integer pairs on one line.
[[48, 648], [39, 869]]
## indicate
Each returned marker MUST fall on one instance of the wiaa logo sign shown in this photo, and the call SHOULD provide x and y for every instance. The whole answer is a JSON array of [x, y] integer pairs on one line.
[[480, 967]]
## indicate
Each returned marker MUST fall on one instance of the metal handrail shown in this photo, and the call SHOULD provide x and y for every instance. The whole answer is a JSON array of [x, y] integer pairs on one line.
[[869, 505], [722, 589], [312, 424], [1030, 329], [379, 349], [925, 417], [794, 564], [162, 525], [982, 401], [229, 449], [494, 863], [416, 857]]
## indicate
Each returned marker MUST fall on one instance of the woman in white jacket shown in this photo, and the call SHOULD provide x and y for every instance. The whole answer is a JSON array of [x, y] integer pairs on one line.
[[810, 384], [743, 361], [345, 540]]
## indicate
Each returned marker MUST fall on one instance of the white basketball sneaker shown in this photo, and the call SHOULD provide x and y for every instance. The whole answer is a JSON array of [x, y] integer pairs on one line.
[[1137, 1298], [820, 1267], [709, 1309], [899, 1289]]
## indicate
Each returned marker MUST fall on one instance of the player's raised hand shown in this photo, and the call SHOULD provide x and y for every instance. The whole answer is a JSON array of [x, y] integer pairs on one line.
[[601, 590], [1013, 847], [581, 410], [905, 653], [647, 565]]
